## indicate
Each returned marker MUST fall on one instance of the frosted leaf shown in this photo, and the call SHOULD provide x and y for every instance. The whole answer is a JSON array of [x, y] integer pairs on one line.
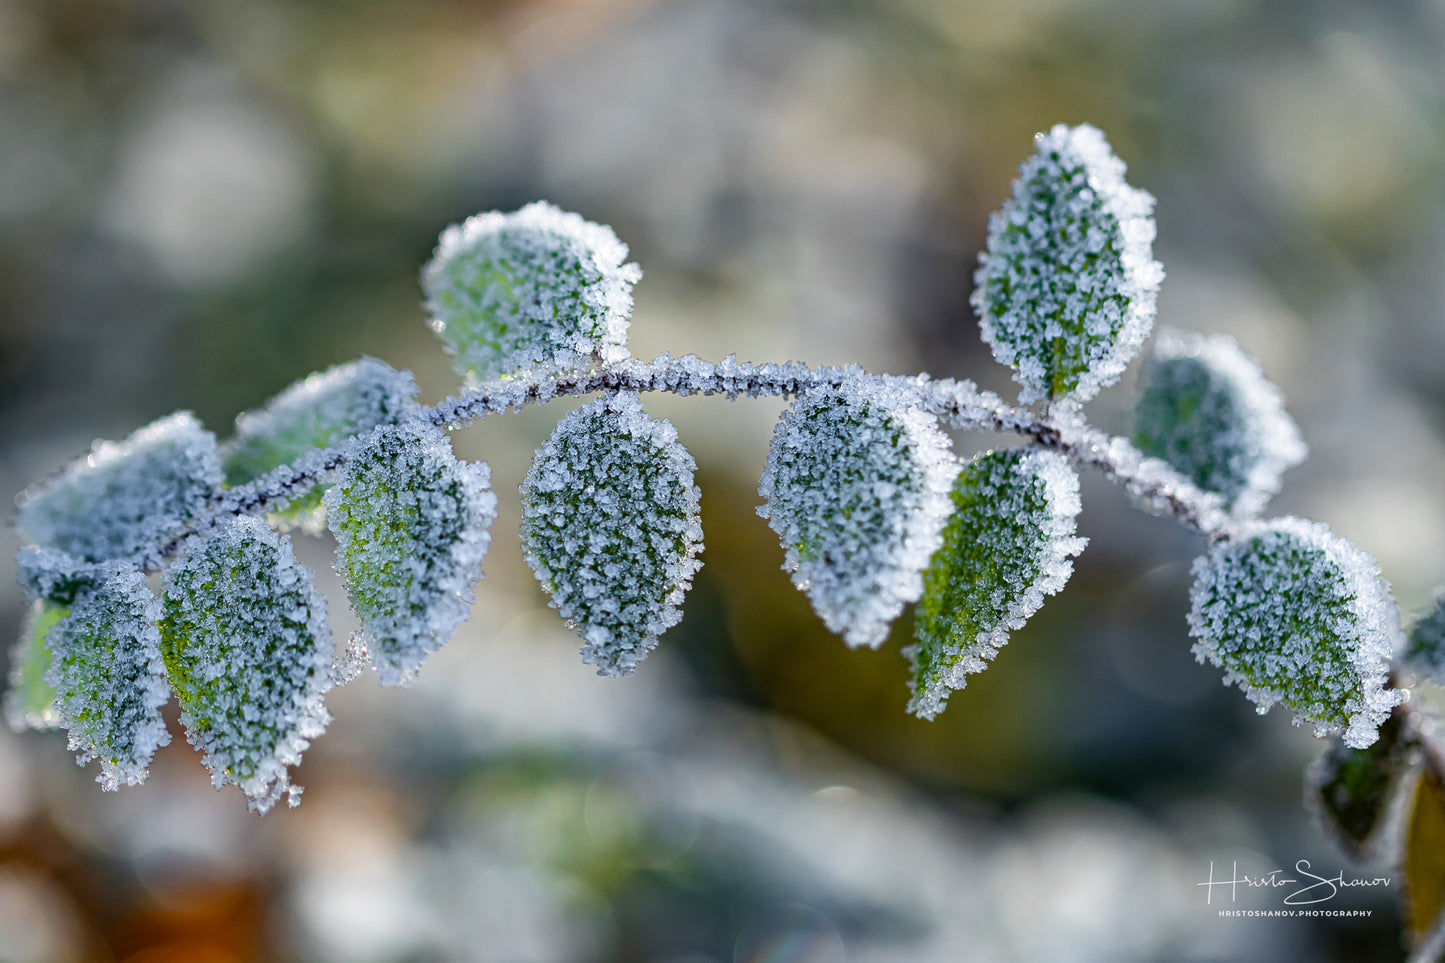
[[411, 524], [1294, 614], [316, 412], [1352, 789], [247, 648], [610, 527], [1207, 410], [537, 287], [51, 579], [1065, 291], [106, 673], [857, 490], [1425, 648], [52, 575], [1007, 545], [30, 701], [124, 495]]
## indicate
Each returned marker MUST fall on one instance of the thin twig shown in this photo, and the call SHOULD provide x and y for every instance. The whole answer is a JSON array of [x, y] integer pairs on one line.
[[1156, 486]]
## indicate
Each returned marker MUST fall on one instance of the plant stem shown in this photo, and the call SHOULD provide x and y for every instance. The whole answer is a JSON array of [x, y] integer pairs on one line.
[[1156, 487]]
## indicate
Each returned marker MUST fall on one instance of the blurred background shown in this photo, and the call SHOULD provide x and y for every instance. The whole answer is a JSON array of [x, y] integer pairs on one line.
[[202, 201]]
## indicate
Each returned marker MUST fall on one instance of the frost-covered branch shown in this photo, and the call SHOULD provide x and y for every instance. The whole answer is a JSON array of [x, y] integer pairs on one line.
[[873, 509], [1158, 488]]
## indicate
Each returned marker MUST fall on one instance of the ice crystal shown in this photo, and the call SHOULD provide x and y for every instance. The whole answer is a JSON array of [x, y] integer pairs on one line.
[[318, 411], [412, 524], [857, 490], [1206, 409], [1352, 789], [1065, 291], [610, 527], [1425, 648], [536, 287], [1295, 614], [1007, 545], [247, 648], [124, 495]]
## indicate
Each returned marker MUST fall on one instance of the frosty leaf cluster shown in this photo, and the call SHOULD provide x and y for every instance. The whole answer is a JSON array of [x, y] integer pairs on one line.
[[873, 510]]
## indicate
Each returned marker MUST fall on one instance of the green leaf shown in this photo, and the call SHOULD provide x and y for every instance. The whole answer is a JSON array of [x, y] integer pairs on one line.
[[611, 529], [316, 412], [412, 525], [105, 673], [125, 495], [1006, 546], [1424, 858], [1296, 615], [30, 701], [535, 289], [1206, 409], [247, 648], [1352, 789], [857, 490], [1065, 292]]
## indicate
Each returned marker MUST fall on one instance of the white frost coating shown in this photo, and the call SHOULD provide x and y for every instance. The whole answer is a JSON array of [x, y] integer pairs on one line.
[[247, 648], [1295, 614], [1008, 545], [611, 529], [124, 495], [1207, 409], [1065, 292], [857, 489], [412, 525], [106, 672], [536, 287]]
